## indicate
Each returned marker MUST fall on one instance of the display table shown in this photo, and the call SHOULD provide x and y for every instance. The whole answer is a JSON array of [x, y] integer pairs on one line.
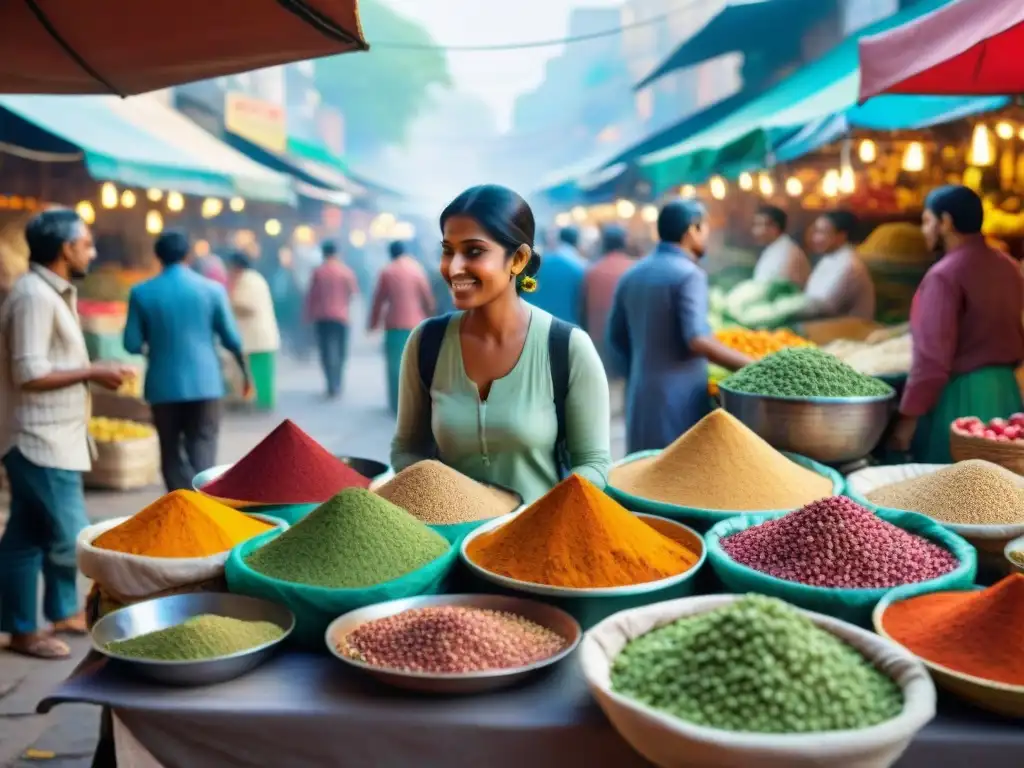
[[308, 711]]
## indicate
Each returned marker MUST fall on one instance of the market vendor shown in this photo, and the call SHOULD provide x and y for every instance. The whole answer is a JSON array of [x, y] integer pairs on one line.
[[659, 336], [491, 389], [782, 259], [965, 323], [840, 284]]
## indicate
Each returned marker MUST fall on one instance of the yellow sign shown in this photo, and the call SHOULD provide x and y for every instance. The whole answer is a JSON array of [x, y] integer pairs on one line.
[[260, 122]]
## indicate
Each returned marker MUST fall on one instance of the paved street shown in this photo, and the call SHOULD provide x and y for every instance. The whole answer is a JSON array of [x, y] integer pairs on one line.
[[358, 425]]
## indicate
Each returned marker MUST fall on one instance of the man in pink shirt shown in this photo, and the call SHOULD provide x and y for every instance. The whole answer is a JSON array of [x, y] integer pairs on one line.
[[965, 323], [600, 282], [402, 300], [327, 307]]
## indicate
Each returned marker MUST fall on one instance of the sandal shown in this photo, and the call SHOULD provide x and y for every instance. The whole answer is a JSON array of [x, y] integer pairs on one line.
[[72, 625], [39, 647]]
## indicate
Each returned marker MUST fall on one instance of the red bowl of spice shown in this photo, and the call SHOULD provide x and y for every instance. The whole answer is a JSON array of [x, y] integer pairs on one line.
[[970, 640], [286, 467]]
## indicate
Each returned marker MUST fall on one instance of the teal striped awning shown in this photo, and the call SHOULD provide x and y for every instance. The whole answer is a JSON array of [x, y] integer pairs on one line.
[[141, 142]]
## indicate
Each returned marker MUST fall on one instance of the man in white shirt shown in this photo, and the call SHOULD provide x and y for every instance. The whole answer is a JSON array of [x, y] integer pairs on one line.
[[782, 258], [841, 284], [44, 438]]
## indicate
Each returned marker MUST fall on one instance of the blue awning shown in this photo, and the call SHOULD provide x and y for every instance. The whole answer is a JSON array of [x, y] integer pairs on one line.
[[138, 142]]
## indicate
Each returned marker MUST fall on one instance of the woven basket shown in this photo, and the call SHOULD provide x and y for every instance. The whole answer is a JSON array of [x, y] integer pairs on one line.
[[1007, 455], [125, 464]]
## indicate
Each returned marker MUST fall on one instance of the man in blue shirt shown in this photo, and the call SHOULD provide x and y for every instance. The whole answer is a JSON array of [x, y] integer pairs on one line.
[[560, 280], [658, 334], [175, 319]]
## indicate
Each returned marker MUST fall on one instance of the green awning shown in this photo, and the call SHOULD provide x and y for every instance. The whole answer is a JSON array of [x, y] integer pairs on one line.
[[316, 152], [140, 142], [746, 137]]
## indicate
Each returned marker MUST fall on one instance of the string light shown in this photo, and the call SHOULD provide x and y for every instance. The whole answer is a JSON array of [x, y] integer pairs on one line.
[[154, 222], [746, 181], [127, 199], [830, 183], [624, 209], [1004, 129], [237, 204], [108, 195], [404, 230], [688, 190], [211, 208], [847, 180], [765, 185], [982, 151], [913, 157], [649, 213], [175, 201], [717, 187], [579, 213], [357, 238], [154, 195], [867, 151], [794, 187], [304, 234], [86, 212], [563, 219], [272, 227]]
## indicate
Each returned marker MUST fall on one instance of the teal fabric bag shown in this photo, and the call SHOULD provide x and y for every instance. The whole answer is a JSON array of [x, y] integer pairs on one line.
[[290, 513], [703, 519], [316, 607], [853, 605], [456, 532]]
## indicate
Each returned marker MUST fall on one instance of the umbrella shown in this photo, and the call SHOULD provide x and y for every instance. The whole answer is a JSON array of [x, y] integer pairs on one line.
[[132, 46], [969, 47]]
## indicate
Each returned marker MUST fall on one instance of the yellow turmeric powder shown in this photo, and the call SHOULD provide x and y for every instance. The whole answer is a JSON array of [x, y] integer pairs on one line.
[[181, 524], [575, 536]]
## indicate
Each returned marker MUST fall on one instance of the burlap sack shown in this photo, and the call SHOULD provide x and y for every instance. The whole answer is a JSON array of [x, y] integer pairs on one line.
[[672, 743]]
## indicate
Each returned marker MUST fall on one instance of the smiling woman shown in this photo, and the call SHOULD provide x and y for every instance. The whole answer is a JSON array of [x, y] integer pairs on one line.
[[500, 390]]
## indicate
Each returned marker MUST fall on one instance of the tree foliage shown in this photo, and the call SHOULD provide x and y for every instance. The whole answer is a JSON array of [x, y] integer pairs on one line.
[[382, 91]]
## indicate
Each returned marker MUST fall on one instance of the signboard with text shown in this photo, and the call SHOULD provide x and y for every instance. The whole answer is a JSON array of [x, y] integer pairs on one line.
[[260, 122]]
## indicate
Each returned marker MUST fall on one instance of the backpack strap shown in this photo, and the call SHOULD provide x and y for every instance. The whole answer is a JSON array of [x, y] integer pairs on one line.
[[431, 338], [558, 353]]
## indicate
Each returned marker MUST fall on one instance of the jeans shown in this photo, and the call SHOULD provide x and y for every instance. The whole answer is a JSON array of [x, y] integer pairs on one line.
[[47, 514], [332, 340], [188, 439]]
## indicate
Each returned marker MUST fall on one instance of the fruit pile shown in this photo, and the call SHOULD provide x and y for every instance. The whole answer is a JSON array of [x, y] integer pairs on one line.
[[1001, 430], [755, 344], [132, 386], [104, 430]]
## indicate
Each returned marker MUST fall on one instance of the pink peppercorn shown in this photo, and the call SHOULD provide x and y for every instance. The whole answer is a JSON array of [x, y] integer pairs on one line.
[[836, 542], [451, 640]]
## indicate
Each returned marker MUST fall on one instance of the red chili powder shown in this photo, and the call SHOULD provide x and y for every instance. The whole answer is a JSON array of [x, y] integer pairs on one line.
[[286, 467]]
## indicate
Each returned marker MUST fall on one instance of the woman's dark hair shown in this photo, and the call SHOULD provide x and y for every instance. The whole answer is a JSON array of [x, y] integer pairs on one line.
[[503, 215], [172, 247], [613, 238], [47, 232], [677, 217], [775, 215], [239, 259], [961, 203]]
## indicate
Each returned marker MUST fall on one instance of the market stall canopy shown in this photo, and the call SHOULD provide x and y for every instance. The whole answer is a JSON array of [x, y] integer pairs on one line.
[[970, 47], [741, 25], [139, 142], [745, 139], [130, 46]]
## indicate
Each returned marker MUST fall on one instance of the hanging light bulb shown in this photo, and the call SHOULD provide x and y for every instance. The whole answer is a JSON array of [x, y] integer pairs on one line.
[[717, 187], [794, 187], [982, 151], [746, 181], [765, 185], [624, 209], [649, 213], [1004, 129], [237, 204], [175, 201], [154, 195], [867, 151], [272, 227], [579, 213], [304, 234], [357, 237], [86, 212], [1020, 133], [847, 180], [154, 222], [211, 208], [127, 199], [913, 157], [830, 183], [563, 219], [688, 190], [108, 195]]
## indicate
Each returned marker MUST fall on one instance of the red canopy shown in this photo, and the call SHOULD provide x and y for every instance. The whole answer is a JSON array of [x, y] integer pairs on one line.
[[969, 47], [133, 46]]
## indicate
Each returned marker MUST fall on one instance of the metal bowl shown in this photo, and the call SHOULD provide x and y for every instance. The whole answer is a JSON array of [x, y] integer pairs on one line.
[[163, 612], [369, 468], [471, 682], [1016, 546], [832, 430]]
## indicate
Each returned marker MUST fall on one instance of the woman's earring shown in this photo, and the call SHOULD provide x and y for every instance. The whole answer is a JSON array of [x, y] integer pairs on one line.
[[529, 284]]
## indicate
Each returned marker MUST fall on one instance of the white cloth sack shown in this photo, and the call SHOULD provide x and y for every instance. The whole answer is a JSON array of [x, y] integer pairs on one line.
[[862, 482], [672, 743], [128, 578]]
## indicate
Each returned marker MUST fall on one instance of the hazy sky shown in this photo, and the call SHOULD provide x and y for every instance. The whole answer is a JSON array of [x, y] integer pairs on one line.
[[497, 77]]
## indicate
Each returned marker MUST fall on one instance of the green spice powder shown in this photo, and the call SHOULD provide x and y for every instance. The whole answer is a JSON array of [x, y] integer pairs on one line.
[[755, 665], [201, 637], [804, 372], [357, 539]]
